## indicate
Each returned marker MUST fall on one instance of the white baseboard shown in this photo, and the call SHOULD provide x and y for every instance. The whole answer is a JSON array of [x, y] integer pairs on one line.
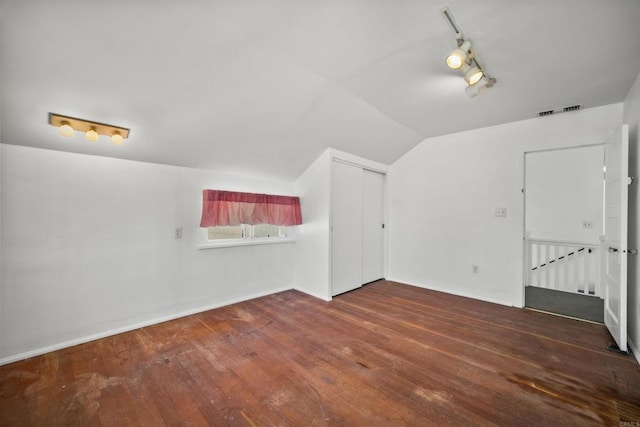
[[448, 291], [634, 349], [128, 328], [313, 294]]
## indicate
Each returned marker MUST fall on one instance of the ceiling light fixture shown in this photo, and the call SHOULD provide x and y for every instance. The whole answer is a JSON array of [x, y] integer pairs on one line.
[[464, 59], [92, 130], [472, 74], [92, 135], [474, 90], [458, 56], [116, 138], [65, 128]]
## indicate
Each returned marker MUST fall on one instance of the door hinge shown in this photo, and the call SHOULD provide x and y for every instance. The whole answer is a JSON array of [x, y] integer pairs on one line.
[[382, 225], [629, 180]]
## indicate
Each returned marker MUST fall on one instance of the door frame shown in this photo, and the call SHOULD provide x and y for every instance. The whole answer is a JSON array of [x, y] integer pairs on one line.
[[372, 166], [523, 192]]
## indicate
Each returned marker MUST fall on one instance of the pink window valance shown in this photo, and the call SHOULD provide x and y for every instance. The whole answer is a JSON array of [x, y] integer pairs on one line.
[[221, 208]]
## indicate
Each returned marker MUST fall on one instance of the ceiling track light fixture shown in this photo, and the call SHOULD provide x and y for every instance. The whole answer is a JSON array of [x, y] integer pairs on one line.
[[92, 130], [463, 58]]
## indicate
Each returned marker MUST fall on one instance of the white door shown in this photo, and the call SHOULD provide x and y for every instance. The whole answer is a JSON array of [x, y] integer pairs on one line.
[[372, 226], [346, 228], [615, 240]]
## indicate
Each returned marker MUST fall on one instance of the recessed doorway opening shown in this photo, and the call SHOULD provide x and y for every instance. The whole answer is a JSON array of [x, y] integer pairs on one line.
[[564, 225]]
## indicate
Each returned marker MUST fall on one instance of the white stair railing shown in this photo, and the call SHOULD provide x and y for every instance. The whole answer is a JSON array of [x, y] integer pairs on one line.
[[564, 266]]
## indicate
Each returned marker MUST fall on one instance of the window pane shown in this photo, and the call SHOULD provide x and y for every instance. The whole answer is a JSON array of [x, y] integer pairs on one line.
[[267, 230], [232, 232], [246, 231]]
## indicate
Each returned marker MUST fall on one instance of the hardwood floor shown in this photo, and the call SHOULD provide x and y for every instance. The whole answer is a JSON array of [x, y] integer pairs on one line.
[[386, 354]]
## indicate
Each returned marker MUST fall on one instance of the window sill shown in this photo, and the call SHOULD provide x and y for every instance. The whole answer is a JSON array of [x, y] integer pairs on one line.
[[248, 242]]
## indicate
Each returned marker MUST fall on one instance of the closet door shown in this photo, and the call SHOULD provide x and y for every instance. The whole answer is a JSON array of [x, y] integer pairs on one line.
[[346, 228], [372, 226]]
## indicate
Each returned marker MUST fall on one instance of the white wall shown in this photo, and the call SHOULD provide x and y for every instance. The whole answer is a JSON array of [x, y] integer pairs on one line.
[[88, 248], [312, 237], [443, 196], [1, 287], [632, 118], [563, 189]]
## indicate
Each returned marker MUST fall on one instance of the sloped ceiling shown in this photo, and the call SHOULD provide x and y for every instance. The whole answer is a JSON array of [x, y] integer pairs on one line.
[[264, 87]]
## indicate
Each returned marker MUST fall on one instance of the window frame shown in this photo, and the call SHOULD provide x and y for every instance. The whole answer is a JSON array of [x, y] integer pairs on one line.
[[248, 232], [246, 241]]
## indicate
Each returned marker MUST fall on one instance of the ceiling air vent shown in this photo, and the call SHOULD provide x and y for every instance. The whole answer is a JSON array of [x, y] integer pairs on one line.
[[560, 110], [571, 108]]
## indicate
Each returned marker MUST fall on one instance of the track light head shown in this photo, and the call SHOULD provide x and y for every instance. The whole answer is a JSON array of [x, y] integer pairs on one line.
[[473, 90], [473, 75], [458, 56]]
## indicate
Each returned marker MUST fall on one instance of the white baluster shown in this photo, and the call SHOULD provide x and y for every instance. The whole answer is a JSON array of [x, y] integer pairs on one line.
[[556, 269], [538, 263], [565, 266], [547, 270]]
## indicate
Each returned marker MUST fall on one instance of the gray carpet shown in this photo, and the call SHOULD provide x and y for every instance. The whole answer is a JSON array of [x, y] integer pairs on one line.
[[565, 303]]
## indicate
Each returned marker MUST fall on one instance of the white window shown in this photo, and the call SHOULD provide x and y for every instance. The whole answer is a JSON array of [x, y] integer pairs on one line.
[[246, 231]]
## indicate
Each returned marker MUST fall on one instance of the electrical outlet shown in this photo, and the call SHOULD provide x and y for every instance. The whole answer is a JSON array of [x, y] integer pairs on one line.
[[178, 234], [587, 224], [475, 269], [501, 212]]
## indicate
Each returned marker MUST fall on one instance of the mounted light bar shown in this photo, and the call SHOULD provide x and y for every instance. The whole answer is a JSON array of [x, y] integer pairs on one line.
[[92, 130]]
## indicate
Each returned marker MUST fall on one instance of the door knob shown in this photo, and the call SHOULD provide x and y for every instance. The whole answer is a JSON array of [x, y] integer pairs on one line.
[[612, 250], [632, 251]]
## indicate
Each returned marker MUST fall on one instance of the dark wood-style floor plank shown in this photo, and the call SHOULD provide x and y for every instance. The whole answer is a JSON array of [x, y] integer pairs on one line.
[[386, 354]]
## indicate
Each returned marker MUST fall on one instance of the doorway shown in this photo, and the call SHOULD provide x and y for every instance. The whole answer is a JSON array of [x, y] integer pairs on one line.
[[564, 209]]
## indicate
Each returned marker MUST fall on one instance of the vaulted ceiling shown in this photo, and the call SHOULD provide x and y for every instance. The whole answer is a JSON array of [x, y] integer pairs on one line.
[[264, 87]]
